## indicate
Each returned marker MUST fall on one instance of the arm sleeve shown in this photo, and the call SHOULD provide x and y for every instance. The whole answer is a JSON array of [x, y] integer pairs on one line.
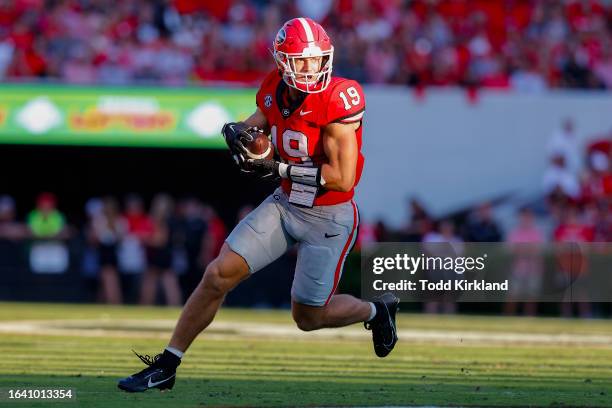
[[346, 103]]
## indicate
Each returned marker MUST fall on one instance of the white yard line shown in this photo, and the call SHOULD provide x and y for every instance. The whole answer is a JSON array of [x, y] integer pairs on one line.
[[228, 329]]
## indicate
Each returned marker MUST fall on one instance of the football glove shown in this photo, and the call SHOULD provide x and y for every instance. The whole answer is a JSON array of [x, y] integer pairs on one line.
[[237, 135], [264, 168]]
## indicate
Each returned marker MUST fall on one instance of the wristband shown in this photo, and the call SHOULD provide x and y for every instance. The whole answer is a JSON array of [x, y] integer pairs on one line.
[[283, 170], [310, 176]]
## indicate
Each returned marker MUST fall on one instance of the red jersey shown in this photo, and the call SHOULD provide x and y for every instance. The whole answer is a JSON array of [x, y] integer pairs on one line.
[[573, 233], [296, 127]]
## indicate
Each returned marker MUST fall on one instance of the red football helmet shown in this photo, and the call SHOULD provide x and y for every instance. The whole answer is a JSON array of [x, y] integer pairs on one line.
[[303, 38]]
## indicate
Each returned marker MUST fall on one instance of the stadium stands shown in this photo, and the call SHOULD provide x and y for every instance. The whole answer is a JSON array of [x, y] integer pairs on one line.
[[529, 45]]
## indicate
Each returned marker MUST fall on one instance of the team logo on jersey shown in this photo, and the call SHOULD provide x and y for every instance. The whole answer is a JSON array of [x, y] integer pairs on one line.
[[286, 112], [281, 36], [268, 100]]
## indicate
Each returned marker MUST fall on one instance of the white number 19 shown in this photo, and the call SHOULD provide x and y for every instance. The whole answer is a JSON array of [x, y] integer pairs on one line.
[[352, 92]]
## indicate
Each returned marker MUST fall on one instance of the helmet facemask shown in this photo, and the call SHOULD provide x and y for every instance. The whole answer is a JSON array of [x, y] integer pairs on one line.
[[306, 82]]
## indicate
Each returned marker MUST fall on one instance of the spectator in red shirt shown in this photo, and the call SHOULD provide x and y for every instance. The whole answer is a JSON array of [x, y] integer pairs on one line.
[[597, 180], [525, 242], [138, 221], [572, 228], [572, 259], [131, 259]]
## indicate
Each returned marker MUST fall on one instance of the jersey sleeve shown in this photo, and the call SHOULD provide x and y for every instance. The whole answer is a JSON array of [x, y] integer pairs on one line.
[[346, 103]]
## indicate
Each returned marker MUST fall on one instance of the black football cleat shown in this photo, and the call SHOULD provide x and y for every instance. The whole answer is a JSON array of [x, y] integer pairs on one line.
[[160, 373], [384, 333]]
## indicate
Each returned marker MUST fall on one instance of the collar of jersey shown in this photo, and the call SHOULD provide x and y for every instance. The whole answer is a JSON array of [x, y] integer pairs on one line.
[[283, 89]]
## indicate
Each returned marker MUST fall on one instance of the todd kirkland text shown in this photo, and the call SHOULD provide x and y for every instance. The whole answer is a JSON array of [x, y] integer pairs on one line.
[[462, 285]]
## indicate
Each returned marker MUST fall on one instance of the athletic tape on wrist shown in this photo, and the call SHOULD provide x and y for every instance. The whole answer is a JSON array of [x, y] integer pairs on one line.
[[311, 176]]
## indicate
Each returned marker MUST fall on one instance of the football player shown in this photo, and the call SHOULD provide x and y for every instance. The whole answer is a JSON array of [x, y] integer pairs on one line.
[[315, 123]]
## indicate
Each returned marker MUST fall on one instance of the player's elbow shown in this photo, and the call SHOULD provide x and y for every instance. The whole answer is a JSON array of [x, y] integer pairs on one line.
[[346, 184], [339, 181], [344, 187]]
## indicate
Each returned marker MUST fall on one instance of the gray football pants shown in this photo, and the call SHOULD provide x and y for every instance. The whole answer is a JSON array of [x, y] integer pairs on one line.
[[324, 236]]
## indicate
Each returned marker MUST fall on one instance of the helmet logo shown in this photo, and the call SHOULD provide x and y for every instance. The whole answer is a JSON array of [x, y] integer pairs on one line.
[[281, 36]]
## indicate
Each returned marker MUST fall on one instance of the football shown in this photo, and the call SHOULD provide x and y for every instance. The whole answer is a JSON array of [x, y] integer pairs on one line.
[[260, 147]]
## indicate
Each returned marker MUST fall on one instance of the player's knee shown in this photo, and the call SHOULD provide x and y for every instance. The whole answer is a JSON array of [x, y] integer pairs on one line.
[[214, 281], [224, 273], [308, 322]]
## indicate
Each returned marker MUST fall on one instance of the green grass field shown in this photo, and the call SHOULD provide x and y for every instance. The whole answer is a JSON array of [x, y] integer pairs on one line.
[[252, 358]]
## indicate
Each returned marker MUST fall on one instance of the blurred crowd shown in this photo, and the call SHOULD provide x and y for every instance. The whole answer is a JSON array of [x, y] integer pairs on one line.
[[528, 45], [159, 253], [576, 208]]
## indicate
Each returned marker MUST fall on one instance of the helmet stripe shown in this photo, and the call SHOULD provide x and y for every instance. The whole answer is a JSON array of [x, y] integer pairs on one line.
[[307, 29]]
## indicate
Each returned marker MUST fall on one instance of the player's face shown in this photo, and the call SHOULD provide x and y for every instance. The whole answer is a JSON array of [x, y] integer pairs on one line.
[[304, 67]]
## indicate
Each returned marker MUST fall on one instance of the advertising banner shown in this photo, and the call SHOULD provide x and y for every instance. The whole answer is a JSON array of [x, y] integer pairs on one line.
[[137, 117]]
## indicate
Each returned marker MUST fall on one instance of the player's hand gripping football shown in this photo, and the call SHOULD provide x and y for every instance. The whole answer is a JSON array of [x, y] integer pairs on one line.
[[237, 135]]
